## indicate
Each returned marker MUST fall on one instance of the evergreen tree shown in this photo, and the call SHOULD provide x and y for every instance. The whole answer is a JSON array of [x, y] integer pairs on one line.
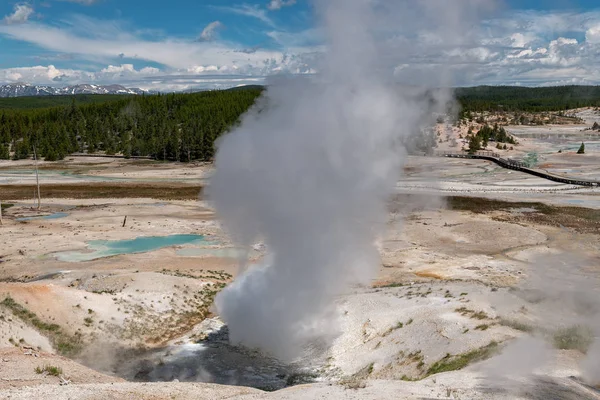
[[51, 155], [474, 144], [581, 149], [4, 152], [175, 127], [22, 149]]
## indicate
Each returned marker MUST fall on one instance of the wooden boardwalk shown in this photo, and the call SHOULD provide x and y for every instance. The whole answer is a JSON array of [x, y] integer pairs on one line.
[[518, 166]]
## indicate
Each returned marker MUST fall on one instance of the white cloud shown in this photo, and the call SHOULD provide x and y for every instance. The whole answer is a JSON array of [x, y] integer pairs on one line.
[[528, 48], [124, 69], [524, 48], [149, 78], [209, 33], [84, 2], [253, 11], [308, 37], [39, 74], [592, 35], [174, 53], [278, 4], [13, 76], [20, 15], [520, 39]]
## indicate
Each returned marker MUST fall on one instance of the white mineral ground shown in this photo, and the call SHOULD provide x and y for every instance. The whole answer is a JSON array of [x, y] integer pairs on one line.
[[446, 260]]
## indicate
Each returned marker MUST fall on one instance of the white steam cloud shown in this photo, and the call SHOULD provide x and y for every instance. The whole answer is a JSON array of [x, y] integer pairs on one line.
[[562, 295], [311, 168]]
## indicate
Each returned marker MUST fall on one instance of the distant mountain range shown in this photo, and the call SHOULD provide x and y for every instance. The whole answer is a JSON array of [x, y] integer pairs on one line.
[[24, 89]]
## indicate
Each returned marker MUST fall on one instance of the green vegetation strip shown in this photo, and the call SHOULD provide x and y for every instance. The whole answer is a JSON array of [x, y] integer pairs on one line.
[[517, 325], [103, 190], [453, 363], [580, 219], [65, 344]]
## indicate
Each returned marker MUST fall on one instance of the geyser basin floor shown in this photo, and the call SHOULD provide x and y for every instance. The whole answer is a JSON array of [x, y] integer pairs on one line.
[[212, 252], [106, 248], [427, 245]]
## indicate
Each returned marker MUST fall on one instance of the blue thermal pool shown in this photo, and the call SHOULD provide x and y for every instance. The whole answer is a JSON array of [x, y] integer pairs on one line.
[[575, 201], [106, 248], [51, 216]]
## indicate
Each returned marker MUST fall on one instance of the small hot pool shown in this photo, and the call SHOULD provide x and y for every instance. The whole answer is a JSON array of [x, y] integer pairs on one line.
[[107, 248], [51, 216]]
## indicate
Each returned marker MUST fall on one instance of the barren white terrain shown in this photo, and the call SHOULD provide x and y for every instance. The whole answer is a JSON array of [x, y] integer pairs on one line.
[[456, 290]]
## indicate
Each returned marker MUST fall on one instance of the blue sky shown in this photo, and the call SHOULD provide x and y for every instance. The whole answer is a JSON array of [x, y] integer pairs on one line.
[[182, 44]]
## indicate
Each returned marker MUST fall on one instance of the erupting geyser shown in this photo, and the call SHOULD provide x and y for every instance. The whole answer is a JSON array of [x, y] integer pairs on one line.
[[310, 169]]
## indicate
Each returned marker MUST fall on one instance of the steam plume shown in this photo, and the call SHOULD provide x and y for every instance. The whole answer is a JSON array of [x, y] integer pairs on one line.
[[562, 292], [310, 169]]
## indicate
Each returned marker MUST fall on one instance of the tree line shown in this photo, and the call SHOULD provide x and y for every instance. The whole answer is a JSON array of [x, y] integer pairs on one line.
[[515, 98], [175, 127], [33, 102]]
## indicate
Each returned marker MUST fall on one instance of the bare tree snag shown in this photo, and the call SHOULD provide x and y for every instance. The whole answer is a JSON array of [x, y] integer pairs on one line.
[[37, 180]]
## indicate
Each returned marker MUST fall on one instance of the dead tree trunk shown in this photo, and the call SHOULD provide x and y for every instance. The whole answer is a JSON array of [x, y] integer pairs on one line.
[[124, 221], [37, 180], [0, 212]]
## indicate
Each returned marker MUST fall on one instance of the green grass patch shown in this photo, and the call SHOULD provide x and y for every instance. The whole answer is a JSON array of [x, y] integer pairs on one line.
[[574, 338], [65, 344], [50, 370], [390, 285], [464, 311], [460, 361], [6, 206], [101, 190], [516, 325], [480, 315], [481, 205], [580, 219], [407, 378], [398, 325]]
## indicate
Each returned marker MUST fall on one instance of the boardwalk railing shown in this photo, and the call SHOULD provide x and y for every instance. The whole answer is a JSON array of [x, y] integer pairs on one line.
[[517, 166]]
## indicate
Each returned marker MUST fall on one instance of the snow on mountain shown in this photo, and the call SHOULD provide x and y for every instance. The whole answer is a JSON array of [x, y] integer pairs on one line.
[[24, 89]]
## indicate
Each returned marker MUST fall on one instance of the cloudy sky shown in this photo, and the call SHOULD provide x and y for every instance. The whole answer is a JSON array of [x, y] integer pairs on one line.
[[182, 44]]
